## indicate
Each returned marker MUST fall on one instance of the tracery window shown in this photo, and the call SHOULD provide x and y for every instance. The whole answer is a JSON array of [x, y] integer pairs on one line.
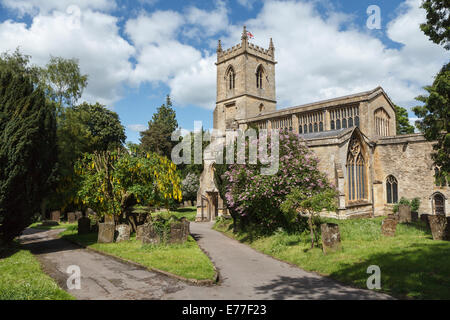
[[282, 123], [391, 189], [356, 172], [311, 122], [438, 204], [382, 120], [231, 78], [259, 77], [346, 117]]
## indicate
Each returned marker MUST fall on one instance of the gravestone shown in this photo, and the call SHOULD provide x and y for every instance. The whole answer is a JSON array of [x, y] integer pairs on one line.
[[414, 216], [71, 218], [109, 218], [147, 234], [78, 215], [404, 213], [105, 233], [439, 226], [389, 226], [123, 232], [55, 216], [179, 232], [84, 225], [331, 237]]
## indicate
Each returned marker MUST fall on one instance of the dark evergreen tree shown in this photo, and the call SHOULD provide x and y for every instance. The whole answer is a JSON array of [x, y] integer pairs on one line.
[[402, 119], [28, 152]]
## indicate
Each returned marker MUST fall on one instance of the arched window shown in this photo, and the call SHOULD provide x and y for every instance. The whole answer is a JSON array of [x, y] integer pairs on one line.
[[338, 124], [310, 127], [344, 123], [305, 128], [315, 127], [231, 78], [259, 77], [382, 120], [438, 204], [357, 121], [261, 107], [321, 126], [350, 122], [356, 172], [300, 129], [332, 124], [391, 189]]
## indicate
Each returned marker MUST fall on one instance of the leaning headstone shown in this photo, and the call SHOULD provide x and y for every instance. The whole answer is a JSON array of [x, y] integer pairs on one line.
[[78, 215], [179, 232], [331, 237], [148, 235], [439, 227], [404, 213], [389, 226], [84, 225], [106, 233], [71, 218], [123, 232], [55, 216]]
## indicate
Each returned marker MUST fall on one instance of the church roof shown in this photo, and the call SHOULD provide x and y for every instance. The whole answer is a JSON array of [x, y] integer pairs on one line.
[[325, 134]]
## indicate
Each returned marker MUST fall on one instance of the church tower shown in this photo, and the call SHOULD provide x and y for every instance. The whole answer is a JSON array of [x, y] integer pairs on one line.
[[245, 82]]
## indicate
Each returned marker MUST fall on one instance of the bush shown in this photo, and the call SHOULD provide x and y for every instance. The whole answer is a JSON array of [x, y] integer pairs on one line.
[[414, 204], [257, 198]]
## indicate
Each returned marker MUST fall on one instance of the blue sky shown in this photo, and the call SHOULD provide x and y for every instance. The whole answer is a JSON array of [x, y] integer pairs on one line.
[[137, 52]]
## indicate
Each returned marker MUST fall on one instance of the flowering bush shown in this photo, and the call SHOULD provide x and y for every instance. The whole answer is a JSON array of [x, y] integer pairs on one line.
[[257, 198]]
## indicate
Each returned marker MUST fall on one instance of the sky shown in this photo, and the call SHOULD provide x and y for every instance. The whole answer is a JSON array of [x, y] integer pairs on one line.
[[137, 52]]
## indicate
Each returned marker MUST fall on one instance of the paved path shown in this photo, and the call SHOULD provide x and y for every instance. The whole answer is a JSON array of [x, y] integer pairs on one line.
[[245, 273]]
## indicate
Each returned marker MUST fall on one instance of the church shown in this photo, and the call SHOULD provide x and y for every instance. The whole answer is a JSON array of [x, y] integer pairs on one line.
[[353, 136]]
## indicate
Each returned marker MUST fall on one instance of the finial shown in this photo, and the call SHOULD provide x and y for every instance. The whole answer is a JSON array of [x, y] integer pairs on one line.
[[271, 44], [219, 46], [272, 48], [244, 34]]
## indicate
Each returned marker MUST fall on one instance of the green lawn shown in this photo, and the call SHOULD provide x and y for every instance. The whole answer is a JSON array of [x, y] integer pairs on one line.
[[412, 264], [186, 260], [21, 277], [62, 225], [188, 212]]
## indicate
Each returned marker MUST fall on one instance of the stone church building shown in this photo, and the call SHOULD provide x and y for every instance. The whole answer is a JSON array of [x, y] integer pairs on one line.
[[354, 137]]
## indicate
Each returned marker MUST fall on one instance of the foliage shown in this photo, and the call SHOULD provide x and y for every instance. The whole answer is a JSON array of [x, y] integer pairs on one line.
[[190, 186], [63, 81], [414, 204], [157, 138], [192, 167], [437, 27], [435, 122], [402, 119], [257, 198], [299, 201], [113, 181], [27, 145]]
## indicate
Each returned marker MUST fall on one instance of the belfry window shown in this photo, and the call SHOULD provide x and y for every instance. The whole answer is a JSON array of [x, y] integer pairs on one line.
[[382, 121], [231, 78], [259, 77], [356, 172], [391, 189]]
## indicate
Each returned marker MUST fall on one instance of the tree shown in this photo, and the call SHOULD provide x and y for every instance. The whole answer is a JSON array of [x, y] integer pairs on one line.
[[402, 119], [113, 181], [190, 186], [28, 151], [301, 202], [64, 81], [157, 138], [437, 27], [435, 121]]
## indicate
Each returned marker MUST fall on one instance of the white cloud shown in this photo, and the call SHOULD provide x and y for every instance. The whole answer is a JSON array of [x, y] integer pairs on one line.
[[33, 7], [137, 127], [207, 23], [247, 3], [92, 37]]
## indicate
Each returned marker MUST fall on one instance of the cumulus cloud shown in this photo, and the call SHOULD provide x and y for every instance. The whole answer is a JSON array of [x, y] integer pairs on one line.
[[33, 7], [92, 37], [137, 127], [207, 23]]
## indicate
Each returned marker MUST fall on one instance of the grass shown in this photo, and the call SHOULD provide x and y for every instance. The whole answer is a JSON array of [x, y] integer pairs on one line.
[[186, 260], [22, 278], [413, 266], [62, 225], [188, 212]]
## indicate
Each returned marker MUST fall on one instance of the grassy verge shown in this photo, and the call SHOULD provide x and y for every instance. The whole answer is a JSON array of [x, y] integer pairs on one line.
[[22, 278], [413, 266], [62, 225], [186, 260], [188, 212]]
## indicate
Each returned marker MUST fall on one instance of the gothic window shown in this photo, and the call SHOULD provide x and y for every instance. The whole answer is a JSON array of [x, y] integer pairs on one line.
[[344, 117], [438, 204], [231, 78], [338, 124], [300, 129], [344, 123], [310, 127], [311, 122], [259, 77], [261, 107], [315, 127], [382, 121], [332, 125], [350, 122], [282, 123], [356, 172], [321, 126], [305, 127], [391, 189]]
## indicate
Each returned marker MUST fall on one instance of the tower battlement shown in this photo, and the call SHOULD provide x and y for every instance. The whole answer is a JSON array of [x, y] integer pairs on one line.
[[245, 47]]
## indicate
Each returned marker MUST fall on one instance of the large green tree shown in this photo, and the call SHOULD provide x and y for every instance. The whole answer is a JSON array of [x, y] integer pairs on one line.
[[434, 121], [437, 27], [28, 152], [63, 81], [402, 119], [157, 138]]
